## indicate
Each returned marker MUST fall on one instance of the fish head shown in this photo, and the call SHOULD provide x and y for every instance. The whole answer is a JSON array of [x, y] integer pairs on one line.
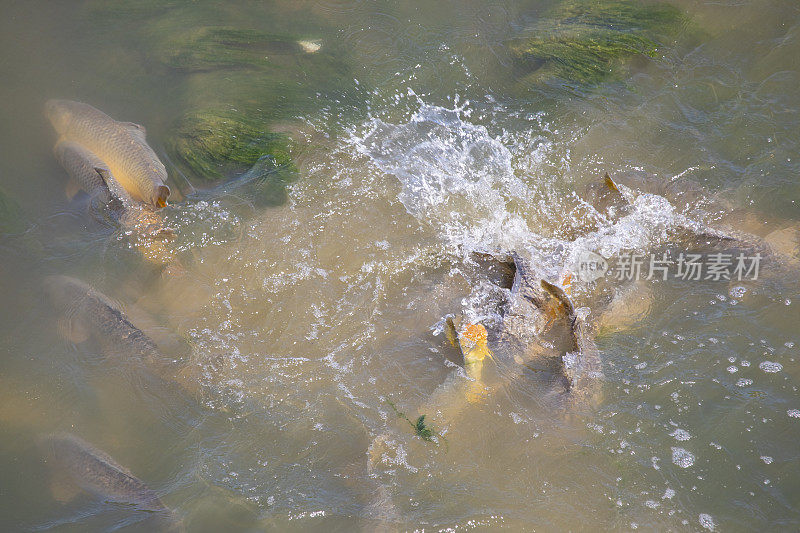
[[59, 113], [62, 292]]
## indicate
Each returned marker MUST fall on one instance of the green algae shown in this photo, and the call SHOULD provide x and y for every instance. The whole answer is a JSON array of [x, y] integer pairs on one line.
[[239, 84], [589, 41], [238, 75], [213, 48], [214, 145]]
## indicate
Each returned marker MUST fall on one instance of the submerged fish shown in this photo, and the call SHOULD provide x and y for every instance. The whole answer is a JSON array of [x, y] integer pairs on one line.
[[87, 314], [120, 146], [75, 461]]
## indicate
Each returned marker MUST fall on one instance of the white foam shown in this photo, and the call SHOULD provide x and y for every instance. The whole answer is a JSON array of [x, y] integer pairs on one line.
[[680, 435], [682, 458], [770, 367], [706, 521]]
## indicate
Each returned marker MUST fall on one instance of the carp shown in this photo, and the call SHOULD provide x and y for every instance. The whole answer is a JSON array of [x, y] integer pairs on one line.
[[119, 147]]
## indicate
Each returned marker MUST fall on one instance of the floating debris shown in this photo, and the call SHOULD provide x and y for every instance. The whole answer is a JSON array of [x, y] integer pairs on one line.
[[310, 47], [421, 429]]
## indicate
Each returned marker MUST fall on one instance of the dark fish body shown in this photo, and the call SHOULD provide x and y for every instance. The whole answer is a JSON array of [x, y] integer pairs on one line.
[[120, 146], [96, 472], [96, 316], [76, 461]]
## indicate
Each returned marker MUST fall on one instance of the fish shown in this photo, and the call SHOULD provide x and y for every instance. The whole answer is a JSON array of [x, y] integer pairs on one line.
[[87, 314], [120, 146], [540, 329], [75, 461], [88, 173]]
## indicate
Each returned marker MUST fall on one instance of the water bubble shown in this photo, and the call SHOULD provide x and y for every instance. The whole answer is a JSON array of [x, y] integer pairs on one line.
[[680, 434], [767, 459], [744, 382], [706, 521], [682, 458], [793, 413], [668, 494], [770, 367], [732, 369], [737, 291]]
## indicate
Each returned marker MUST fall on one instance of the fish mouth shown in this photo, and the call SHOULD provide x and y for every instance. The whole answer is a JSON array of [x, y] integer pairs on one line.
[[163, 194]]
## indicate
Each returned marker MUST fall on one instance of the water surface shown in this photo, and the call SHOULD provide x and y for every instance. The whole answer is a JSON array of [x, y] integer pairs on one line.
[[309, 319]]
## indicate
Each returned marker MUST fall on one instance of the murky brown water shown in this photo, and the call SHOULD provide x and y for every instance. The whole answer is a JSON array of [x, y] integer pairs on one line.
[[307, 321]]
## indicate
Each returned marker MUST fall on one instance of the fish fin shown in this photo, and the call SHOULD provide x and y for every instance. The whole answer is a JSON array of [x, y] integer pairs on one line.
[[451, 327], [72, 189], [163, 194], [451, 331], [522, 273], [136, 129], [104, 173], [558, 293], [572, 360], [62, 488], [610, 183]]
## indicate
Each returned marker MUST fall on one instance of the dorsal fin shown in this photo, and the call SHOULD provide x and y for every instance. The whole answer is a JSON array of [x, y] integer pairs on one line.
[[558, 293], [136, 129], [104, 173], [610, 183]]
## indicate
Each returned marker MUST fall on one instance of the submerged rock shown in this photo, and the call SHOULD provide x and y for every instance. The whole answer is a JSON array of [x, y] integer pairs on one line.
[[239, 84], [587, 41], [214, 145], [237, 74], [212, 48]]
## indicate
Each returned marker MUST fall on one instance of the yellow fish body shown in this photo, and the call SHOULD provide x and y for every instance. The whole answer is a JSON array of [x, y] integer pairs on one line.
[[121, 146]]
